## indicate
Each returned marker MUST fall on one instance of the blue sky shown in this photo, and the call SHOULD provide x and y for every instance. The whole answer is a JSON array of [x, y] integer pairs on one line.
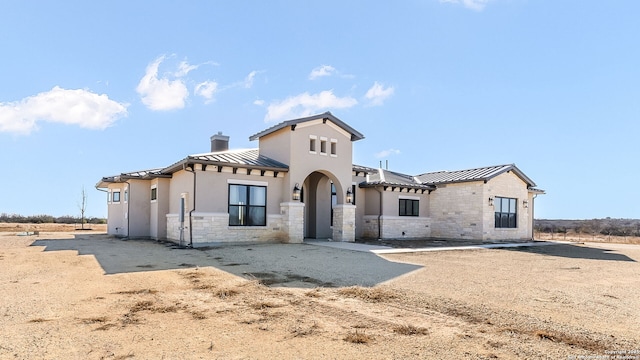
[[91, 89]]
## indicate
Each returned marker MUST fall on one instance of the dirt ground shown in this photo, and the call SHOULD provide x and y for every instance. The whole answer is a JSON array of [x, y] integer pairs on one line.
[[554, 301]]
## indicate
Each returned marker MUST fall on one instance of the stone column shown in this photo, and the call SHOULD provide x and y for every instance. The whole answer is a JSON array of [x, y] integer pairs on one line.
[[293, 221], [344, 222]]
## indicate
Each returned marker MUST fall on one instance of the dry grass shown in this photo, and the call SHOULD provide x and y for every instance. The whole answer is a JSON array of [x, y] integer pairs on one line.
[[358, 337], [137, 292], [94, 320], [410, 330], [198, 315], [38, 320], [264, 304], [300, 330], [376, 294]]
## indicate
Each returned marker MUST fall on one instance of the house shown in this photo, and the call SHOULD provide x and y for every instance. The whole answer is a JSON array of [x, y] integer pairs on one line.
[[301, 183]]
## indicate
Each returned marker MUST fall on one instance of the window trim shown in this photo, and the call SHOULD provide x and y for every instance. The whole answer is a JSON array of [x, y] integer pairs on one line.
[[246, 208], [511, 216], [415, 207], [113, 198], [313, 144]]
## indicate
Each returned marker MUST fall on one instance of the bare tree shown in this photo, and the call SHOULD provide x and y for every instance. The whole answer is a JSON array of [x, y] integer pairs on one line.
[[82, 205]]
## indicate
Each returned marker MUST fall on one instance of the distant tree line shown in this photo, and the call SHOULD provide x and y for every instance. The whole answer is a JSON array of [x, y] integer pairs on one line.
[[607, 226], [48, 219]]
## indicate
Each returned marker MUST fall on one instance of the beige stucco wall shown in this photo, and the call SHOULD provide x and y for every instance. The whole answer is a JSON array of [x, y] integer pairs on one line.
[[159, 208], [392, 225], [292, 148], [139, 208], [212, 191], [117, 212]]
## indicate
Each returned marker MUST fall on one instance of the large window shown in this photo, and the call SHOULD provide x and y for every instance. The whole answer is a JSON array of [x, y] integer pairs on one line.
[[409, 207], [506, 212], [247, 205]]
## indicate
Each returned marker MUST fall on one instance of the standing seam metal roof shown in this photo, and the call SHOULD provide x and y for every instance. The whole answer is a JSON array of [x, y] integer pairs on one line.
[[478, 174]]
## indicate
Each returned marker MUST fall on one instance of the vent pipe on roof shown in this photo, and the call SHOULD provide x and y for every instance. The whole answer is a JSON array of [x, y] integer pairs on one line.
[[219, 142]]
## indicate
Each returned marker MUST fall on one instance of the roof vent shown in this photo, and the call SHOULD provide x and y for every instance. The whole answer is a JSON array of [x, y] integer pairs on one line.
[[219, 142]]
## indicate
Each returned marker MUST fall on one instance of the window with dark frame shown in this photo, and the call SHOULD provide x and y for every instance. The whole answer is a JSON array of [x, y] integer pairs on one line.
[[506, 213], [247, 205], [116, 196], [334, 200], [353, 194], [409, 207], [154, 194]]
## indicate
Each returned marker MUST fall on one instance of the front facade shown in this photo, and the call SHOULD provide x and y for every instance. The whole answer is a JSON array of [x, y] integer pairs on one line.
[[300, 183]]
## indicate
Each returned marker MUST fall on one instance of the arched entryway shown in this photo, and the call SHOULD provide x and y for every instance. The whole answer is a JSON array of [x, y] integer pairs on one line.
[[320, 196]]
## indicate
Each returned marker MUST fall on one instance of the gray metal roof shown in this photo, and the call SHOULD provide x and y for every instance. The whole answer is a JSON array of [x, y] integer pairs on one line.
[[364, 169], [245, 158], [477, 174], [382, 177], [140, 175], [355, 135]]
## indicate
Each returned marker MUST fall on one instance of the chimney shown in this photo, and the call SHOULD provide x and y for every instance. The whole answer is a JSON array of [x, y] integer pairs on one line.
[[219, 142]]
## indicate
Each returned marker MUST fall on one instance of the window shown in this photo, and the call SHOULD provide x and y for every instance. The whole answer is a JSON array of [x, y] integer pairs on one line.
[[334, 148], [126, 194], [312, 145], [116, 196], [353, 194], [247, 205], [323, 146], [506, 214], [109, 197], [409, 207], [154, 194]]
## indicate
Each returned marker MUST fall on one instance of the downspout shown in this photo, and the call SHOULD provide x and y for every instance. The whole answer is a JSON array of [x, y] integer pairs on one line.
[[193, 171], [533, 201], [128, 207], [379, 213]]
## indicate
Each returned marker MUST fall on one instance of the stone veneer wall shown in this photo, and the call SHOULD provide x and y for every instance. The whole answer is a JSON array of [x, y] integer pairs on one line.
[[214, 228], [511, 186], [457, 211], [393, 227], [344, 223]]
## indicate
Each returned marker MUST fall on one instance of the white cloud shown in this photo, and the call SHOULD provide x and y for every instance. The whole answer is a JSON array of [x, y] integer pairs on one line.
[[306, 104], [377, 94], [206, 89], [73, 107], [322, 70], [477, 5], [258, 102], [386, 153], [248, 81], [184, 68], [162, 93]]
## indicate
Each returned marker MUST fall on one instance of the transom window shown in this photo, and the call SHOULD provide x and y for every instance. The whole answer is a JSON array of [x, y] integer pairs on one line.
[[247, 205], [506, 212], [409, 207]]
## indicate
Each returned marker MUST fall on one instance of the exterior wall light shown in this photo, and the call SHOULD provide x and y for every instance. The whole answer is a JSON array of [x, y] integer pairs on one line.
[[349, 196], [295, 195], [525, 204], [490, 200]]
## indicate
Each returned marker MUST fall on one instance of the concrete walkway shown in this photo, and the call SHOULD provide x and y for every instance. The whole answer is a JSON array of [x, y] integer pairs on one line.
[[378, 249]]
